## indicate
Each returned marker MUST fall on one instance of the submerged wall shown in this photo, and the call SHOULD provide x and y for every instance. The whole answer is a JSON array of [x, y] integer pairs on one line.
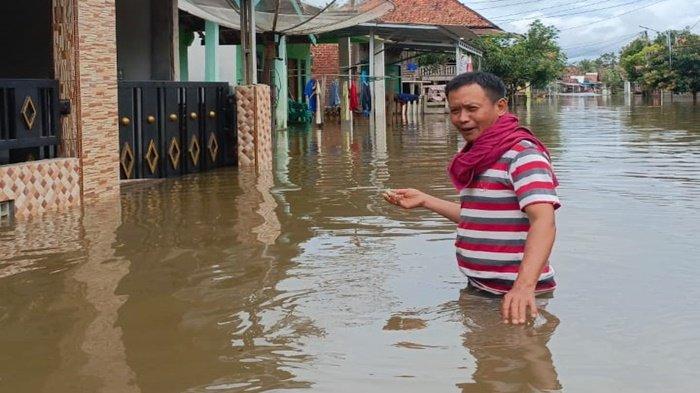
[[39, 186]]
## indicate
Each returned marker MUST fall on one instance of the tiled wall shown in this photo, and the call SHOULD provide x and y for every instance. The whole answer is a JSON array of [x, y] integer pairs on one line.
[[254, 126], [39, 186], [98, 132], [65, 56]]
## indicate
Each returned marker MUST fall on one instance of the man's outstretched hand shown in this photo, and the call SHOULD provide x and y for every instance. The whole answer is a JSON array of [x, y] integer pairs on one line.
[[407, 198]]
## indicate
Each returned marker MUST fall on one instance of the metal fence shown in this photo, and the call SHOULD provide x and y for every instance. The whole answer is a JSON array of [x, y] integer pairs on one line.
[[168, 129], [29, 120]]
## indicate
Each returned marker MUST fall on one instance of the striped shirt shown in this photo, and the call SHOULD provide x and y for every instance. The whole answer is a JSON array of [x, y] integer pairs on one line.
[[493, 225]]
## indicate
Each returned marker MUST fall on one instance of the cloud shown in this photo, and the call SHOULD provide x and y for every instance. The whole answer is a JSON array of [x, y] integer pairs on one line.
[[587, 32]]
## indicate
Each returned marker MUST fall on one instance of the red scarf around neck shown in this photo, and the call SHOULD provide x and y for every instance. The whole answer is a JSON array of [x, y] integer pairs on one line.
[[487, 149]]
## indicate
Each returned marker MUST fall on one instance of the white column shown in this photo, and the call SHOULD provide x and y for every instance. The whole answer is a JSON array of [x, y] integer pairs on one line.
[[281, 81], [379, 84], [344, 60]]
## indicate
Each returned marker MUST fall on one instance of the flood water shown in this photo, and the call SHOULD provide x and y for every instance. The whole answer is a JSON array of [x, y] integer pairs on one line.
[[306, 280]]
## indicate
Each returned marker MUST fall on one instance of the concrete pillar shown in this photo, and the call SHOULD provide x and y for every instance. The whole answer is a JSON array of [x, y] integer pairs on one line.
[[96, 106], [345, 61], [211, 46], [281, 82], [379, 84]]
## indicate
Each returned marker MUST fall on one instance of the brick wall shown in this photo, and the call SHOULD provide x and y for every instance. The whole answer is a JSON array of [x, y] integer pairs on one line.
[[325, 59]]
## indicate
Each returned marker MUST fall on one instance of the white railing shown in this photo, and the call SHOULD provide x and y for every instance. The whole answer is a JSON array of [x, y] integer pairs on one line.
[[447, 70]]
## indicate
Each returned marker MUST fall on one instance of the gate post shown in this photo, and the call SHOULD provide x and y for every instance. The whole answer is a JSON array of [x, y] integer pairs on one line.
[[86, 45], [254, 127]]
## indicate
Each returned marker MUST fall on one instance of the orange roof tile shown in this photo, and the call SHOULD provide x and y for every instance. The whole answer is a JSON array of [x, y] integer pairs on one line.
[[441, 12]]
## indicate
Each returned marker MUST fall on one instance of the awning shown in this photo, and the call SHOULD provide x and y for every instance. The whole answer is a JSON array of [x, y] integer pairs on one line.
[[412, 36], [291, 17]]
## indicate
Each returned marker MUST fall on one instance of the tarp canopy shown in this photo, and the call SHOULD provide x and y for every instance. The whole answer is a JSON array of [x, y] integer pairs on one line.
[[409, 36], [291, 17]]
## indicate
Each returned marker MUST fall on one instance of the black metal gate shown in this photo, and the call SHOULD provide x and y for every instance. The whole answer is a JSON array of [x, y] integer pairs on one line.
[[29, 119], [168, 129]]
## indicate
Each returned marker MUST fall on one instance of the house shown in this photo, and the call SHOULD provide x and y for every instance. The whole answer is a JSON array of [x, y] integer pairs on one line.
[[97, 91], [417, 26], [415, 12], [580, 83]]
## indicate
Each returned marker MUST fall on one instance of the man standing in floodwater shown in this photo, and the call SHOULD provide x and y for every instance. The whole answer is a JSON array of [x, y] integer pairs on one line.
[[506, 225]]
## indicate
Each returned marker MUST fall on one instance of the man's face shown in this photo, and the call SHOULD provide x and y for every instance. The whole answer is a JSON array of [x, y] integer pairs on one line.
[[472, 111]]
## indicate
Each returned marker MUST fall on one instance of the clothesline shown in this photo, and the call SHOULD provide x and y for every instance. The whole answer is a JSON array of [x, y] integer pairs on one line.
[[356, 76]]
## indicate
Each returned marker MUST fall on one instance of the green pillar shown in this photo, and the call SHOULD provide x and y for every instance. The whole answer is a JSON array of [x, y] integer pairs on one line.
[[281, 84], [186, 38], [184, 64], [239, 64], [211, 44]]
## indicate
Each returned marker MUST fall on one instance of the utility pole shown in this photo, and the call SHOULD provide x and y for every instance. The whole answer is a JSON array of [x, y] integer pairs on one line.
[[668, 38], [248, 44]]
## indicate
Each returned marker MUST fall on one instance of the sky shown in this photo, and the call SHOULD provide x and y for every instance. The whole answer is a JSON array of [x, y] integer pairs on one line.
[[589, 28]]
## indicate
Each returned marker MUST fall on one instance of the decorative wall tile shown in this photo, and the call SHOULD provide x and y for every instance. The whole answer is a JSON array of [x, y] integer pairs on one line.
[[254, 126], [39, 186]]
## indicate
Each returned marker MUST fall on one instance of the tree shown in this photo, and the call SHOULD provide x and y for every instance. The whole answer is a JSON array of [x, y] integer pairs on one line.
[[587, 65], [686, 62], [647, 62], [533, 59], [612, 77], [632, 60]]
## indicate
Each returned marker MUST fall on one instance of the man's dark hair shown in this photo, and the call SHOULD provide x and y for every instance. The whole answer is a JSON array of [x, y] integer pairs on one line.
[[493, 86]]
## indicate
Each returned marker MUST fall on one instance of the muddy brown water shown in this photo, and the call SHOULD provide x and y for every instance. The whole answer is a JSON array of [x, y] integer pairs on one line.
[[307, 280]]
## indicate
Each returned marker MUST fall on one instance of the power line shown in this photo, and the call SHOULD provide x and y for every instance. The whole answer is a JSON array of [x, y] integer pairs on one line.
[[469, 4], [614, 16], [514, 4], [598, 49], [554, 6], [572, 13], [616, 39]]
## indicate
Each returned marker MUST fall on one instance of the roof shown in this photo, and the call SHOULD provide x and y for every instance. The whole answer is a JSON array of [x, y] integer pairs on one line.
[[287, 17], [411, 36], [440, 12]]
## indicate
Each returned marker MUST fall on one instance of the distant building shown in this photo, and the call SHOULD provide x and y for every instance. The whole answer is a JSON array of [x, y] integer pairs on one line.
[[588, 82]]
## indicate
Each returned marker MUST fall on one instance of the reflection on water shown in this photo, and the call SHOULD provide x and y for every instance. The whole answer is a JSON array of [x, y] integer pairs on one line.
[[303, 278], [507, 359]]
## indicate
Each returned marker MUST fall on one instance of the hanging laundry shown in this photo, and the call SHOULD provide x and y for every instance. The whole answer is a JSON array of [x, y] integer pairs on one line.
[[310, 94], [365, 94], [334, 99], [354, 101], [406, 98]]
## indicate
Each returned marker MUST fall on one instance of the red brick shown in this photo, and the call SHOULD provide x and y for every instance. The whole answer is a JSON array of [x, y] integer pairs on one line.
[[325, 59]]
